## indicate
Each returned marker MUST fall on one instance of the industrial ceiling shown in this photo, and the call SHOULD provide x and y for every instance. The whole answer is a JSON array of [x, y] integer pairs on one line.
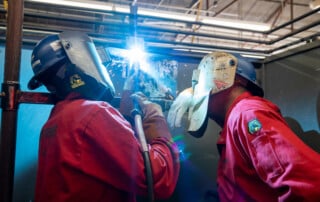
[[192, 28]]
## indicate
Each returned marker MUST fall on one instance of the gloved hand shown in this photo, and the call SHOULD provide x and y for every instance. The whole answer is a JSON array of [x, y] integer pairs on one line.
[[126, 102], [153, 120], [131, 85], [131, 82], [179, 107]]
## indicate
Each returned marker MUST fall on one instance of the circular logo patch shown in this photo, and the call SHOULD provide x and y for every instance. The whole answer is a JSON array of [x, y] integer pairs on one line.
[[254, 126]]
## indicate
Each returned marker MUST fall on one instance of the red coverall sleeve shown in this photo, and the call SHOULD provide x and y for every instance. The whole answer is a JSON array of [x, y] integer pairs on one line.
[[165, 174], [279, 157], [112, 154]]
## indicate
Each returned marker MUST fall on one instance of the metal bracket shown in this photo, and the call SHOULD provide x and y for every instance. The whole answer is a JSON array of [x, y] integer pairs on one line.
[[9, 93], [36, 98], [11, 96]]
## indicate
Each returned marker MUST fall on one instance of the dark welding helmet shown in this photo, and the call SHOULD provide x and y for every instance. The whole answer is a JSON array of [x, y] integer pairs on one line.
[[246, 70], [70, 61]]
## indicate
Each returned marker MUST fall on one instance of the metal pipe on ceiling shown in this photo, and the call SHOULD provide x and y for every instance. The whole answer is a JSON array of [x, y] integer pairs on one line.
[[312, 12], [159, 29], [119, 42], [315, 11], [139, 27], [305, 39], [152, 28], [239, 50], [175, 48], [97, 11], [10, 89], [314, 24]]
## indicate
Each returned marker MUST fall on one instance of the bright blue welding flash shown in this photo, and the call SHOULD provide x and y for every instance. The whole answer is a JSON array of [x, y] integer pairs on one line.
[[137, 55]]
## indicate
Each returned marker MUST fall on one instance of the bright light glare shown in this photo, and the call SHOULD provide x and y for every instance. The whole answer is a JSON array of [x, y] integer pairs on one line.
[[183, 154], [237, 24], [102, 7], [136, 55], [254, 56], [169, 15]]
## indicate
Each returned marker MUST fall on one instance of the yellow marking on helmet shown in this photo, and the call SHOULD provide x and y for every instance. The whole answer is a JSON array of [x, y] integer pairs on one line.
[[76, 81], [6, 6]]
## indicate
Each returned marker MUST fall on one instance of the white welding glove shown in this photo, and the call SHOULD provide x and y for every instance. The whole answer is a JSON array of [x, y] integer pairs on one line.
[[179, 107]]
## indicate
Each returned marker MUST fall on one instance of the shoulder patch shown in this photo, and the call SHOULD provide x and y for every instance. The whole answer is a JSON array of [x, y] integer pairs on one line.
[[254, 126]]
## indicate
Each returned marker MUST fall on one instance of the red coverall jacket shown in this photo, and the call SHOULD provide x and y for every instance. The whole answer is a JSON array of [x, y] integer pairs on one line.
[[262, 159], [88, 152]]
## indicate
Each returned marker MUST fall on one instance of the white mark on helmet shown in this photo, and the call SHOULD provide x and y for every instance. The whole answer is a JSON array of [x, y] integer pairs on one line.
[[56, 45], [35, 63]]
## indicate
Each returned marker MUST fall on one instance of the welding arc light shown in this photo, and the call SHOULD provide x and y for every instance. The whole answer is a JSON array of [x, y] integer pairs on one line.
[[136, 55]]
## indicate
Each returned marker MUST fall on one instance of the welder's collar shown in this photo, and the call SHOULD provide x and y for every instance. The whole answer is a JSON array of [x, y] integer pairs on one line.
[[238, 99], [74, 96]]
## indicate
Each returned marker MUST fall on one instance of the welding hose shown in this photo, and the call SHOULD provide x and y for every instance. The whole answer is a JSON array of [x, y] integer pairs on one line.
[[139, 129]]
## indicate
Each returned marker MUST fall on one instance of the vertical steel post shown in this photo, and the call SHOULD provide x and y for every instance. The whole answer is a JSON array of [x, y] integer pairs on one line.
[[9, 103]]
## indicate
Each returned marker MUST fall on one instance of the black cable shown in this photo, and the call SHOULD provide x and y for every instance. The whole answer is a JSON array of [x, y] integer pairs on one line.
[[139, 128]]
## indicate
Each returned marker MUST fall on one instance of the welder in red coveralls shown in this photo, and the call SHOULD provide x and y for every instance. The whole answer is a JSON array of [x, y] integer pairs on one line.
[[88, 151], [261, 159]]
